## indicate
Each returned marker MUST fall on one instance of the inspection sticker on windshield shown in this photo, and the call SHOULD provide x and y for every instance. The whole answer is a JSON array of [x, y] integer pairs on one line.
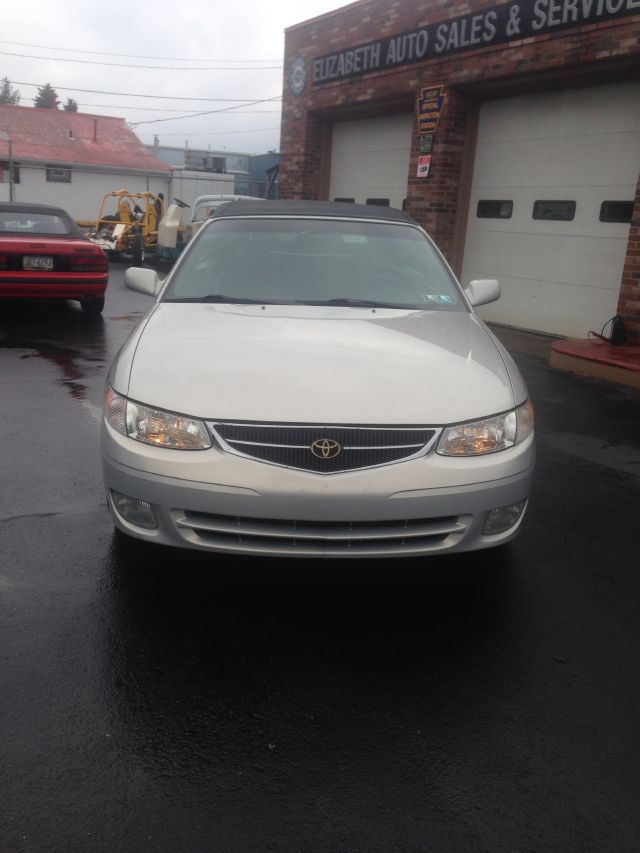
[[438, 298]]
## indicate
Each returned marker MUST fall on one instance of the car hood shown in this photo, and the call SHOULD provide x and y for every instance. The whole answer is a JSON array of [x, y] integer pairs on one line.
[[316, 365]]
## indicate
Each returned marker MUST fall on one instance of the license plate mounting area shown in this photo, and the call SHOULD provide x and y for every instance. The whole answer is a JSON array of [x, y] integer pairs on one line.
[[37, 262]]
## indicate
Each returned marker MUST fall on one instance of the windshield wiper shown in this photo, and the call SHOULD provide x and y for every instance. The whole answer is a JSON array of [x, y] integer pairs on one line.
[[353, 303], [242, 300], [219, 297]]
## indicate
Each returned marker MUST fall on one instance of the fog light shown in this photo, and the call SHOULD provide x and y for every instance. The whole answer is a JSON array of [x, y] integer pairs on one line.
[[503, 517], [134, 511]]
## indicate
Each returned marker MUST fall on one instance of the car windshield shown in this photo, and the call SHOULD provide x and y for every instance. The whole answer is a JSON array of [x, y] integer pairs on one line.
[[26, 222], [314, 262]]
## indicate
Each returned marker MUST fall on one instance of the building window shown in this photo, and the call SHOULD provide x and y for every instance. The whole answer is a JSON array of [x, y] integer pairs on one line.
[[58, 176], [616, 211], [563, 211], [382, 202], [213, 164], [4, 172], [491, 209], [345, 200]]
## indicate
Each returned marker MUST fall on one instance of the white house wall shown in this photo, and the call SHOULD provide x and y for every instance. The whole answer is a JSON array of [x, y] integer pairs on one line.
[[82, 196]]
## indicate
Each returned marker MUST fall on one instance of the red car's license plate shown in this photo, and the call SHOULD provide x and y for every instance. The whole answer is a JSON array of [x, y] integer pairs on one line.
[[37, 262]]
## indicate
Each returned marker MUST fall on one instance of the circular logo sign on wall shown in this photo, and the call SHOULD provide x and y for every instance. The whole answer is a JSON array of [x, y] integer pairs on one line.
[[298, 76]]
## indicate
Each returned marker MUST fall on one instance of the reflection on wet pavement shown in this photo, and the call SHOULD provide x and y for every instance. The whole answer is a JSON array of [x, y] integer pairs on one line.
[[58, 333]]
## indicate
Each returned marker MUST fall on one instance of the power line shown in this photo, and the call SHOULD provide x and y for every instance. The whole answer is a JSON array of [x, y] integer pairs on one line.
[[197, 115], [167, 109], [152, 67], [210, 133], [132, 55], [135, 95]]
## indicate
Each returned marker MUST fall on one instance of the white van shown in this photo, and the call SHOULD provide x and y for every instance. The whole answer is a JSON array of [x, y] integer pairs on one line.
[[205, 205]]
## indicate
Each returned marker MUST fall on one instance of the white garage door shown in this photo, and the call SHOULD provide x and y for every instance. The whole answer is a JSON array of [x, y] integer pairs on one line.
[[544, 166], [370, 160]]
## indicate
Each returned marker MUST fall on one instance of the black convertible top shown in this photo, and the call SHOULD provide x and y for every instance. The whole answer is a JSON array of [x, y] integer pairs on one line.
[[323, 209], [35, 210]]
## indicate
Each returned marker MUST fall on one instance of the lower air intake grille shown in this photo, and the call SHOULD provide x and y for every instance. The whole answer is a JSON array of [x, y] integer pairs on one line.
[[318, 538]]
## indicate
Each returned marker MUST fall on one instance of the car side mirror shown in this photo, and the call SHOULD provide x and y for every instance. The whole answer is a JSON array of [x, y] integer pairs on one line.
[[142, 281], [481, 291]]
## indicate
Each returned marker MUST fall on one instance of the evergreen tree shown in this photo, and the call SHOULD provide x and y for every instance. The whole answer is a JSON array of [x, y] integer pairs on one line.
[[46, 98], [8, 95], [71, 106]]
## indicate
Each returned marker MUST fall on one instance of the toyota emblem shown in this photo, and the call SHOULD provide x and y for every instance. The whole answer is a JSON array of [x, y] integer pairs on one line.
[[325, 448]]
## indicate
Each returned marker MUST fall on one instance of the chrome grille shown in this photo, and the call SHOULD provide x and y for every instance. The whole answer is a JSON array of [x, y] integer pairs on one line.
[[290, 444], [319, 538]]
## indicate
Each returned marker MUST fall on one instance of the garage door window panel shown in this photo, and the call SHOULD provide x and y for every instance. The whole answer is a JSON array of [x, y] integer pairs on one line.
[[556, 211], [493, 209], [616, 211]]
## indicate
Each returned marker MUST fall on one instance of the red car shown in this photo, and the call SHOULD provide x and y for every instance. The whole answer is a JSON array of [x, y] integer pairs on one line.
[[43, 254]]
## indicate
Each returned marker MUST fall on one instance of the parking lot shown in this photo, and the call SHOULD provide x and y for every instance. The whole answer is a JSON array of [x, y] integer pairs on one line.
[[163, 700]]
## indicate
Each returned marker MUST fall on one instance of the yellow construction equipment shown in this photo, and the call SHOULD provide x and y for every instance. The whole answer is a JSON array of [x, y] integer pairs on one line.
[[128, 223]]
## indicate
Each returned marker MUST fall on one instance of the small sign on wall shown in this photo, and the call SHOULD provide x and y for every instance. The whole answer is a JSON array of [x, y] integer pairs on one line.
[[430, 107], [425, 140], [424, 164]]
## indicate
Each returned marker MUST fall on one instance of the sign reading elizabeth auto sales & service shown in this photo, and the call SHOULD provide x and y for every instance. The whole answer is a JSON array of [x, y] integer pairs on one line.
[[496, 25]]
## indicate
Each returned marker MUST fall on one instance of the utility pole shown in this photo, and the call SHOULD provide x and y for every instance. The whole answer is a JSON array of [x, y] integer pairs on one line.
[[12, 189]]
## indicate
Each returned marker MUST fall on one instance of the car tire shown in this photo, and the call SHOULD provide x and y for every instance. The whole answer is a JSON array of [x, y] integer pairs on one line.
[[92, 305], [137, 253]]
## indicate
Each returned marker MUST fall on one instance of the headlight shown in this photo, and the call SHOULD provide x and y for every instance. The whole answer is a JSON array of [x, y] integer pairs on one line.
[[154, 426], [488, 435]]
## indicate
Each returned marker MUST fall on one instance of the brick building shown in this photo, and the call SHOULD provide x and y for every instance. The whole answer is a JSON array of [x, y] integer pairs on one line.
[[510, 131]]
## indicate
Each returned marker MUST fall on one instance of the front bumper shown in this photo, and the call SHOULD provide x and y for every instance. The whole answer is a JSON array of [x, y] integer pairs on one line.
[[216, 501]]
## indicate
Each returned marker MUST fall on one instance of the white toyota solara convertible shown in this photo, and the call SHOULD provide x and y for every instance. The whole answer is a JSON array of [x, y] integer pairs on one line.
[[313, 381]]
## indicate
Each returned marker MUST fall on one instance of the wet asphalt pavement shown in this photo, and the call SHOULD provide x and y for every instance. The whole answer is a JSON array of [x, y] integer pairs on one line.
[[160, 700]]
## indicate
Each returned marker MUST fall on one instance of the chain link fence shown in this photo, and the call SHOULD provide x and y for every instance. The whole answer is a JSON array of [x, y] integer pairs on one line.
[[80, 190]]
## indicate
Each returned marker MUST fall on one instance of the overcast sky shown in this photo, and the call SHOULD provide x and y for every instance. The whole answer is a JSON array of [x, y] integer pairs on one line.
[[43, 42]]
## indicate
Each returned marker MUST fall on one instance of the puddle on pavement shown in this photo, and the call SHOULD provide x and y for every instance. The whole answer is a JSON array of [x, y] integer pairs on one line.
[[64, 358]]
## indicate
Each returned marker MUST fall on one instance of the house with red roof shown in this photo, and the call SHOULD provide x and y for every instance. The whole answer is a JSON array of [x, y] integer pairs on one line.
[[72, 159]]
